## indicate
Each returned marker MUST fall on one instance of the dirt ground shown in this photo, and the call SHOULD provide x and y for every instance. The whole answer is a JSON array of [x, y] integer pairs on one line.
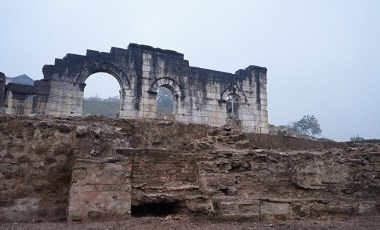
[[147, 223]]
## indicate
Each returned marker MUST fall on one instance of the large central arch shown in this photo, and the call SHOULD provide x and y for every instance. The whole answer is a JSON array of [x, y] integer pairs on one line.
[[104, 67], [109, 68]]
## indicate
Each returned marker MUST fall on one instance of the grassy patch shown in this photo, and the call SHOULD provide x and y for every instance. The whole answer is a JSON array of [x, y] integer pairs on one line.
[[109, 108]]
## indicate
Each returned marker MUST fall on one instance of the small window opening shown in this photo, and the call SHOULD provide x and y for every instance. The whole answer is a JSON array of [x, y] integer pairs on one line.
[[155, 209], [232, 106], [164, 100]]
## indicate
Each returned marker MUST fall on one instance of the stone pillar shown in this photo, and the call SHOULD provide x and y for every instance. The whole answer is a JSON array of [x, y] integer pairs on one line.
[[126, 105], [41, 92], [259, 100], [262, 90], [100, 190], [2, 92]]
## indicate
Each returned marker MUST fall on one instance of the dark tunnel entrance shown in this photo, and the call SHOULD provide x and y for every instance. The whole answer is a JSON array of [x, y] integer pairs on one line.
[[155, 209]]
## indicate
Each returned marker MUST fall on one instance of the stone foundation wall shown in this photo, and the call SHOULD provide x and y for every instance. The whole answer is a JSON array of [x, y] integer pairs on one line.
[[92, 169], [35, 170], [100, 190], [256, 184], [271, 184]]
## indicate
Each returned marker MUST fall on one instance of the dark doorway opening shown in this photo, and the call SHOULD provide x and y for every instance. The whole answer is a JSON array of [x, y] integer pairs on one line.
[[155, 209]]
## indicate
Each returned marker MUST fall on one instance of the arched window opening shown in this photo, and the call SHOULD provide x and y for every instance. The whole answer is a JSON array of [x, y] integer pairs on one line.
[[101, 95], [164, 100], [232, 106]]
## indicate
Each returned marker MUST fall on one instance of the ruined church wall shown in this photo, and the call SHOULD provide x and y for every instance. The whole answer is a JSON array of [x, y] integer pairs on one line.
[[199, 94]]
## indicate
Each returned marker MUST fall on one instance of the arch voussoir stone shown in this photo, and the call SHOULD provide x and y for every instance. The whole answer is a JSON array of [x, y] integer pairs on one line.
[[168, 82], [106, 67]]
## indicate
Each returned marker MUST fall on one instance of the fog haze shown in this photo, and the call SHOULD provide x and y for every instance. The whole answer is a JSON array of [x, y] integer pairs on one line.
[[323, 56]]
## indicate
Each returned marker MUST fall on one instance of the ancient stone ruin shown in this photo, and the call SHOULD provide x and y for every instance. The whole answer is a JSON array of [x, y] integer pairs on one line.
[[199, 95], [210, 157]]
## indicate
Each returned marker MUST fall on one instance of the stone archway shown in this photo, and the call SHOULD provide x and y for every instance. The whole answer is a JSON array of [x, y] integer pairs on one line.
[[64, 82], [176, 91], [169, 83], [105, 67], [101, 95], [111, 69]]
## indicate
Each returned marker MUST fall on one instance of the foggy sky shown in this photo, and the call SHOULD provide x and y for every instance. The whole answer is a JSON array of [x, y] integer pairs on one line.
[[323, 56]]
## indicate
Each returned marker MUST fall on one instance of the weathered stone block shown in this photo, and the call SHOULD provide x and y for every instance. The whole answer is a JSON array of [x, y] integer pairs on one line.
[[83, 188], [78, 174], [273, 209], [9, 169], [251, 208], [101, 190]]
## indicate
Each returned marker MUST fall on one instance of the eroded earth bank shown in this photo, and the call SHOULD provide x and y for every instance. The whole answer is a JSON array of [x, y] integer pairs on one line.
[[182, 176]]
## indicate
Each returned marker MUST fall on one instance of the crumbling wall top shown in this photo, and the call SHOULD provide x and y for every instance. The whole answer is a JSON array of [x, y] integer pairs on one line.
[[145, 48], [18, 88], [2, 90], [2, 77]]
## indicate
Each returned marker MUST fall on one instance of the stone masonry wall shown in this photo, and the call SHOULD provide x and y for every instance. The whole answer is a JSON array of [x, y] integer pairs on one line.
[[257, 184], [34, 170], [36, 164], [172, 176], [269, 184], [18, 99], [93, 169], [199, 95], [100, 190], [17, 106]]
